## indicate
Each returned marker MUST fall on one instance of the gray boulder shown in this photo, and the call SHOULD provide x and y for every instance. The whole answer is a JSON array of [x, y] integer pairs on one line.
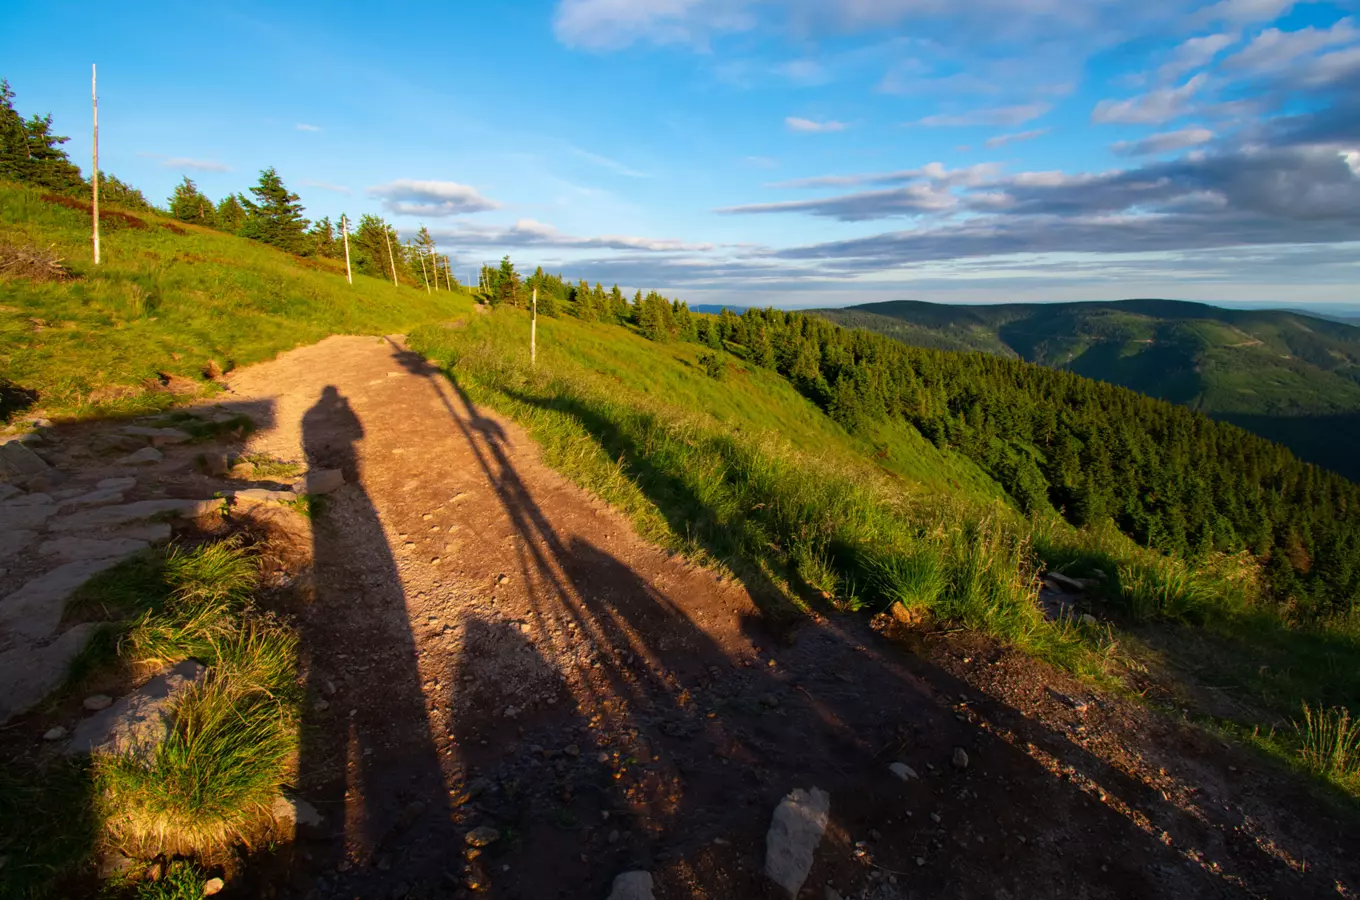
[[632, 886], [144, 457], [19, 464], [795, 831]]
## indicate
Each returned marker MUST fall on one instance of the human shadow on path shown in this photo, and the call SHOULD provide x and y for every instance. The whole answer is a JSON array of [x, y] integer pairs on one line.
[[368, 763]]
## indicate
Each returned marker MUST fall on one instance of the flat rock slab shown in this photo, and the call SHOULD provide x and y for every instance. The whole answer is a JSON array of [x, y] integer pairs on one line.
[[137, 723], [25, 517], [795, 831], [29, 674], [252, 496], [632, 886], [143, 457], [158, 437], [11, 542], [18, 463], [76, 548], [98, 497], [7, 491], [117, 484], [113, 516], [30, 500], [33, 612]]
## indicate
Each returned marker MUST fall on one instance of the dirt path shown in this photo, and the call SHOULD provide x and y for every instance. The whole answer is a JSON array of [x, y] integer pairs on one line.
[[488, 646]]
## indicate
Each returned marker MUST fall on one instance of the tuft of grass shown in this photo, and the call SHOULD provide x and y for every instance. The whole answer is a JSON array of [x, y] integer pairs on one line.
[[1329, 742], [268, 467], [182, 881]]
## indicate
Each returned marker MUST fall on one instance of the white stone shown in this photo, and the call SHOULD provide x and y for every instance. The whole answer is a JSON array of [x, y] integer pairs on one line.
[[137, 723], [213, 886], [292, 812], [33, 612], [903, 771], [28, 674], [632, 886], [320, 481], [795, 831], [54, 734]]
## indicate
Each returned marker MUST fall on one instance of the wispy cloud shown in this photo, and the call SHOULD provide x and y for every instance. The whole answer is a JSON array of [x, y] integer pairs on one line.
[[303, 126], [184, 163], [325, 186], [935, 171], [760, 162], [1003, 116], [811, 126], [409, 197], [532, 233], [1274, 50], [1002, 140], [1153, 108], [1193, 54], [1166, 142], [605, 162]]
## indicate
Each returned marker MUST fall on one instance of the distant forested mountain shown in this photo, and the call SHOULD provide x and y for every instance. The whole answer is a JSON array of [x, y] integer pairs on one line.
[[1291, 377]]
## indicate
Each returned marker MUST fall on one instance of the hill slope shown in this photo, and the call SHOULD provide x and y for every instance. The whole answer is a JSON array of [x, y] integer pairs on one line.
[[1292, 378]]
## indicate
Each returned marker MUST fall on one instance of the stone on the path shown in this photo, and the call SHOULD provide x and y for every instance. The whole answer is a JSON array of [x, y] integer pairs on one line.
[[97, 702], [11, 542], [54, 734], [1066, 582], [114, 443], [960, 759], [903, 771], [138, 722], [144, 457], [29, 500], [76, 548], [482, 835], [113, 516], [153, 533], [19, 464], [216, 464], [213, 886], [33, 612], [100, 497], [24, 517], [254, 496], [117, 484], [795, 831], [320, 481], [29, 674], [632, 886], [1089, 620], [159, 437], [292, 812], [7, 491]]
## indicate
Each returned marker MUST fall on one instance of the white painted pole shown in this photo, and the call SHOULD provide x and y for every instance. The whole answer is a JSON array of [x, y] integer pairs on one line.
[[533, 332], [344, 230], [94, 179], [387, 235], [423, 274]]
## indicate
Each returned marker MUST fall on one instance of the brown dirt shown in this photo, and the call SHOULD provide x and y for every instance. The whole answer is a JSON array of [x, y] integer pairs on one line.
[[487, 645]]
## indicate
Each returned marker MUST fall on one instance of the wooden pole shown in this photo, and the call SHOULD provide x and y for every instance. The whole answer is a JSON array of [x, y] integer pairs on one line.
[[533, 332], [423, 274], [390, 258], [344, 230], [94, 180], [434, 263]]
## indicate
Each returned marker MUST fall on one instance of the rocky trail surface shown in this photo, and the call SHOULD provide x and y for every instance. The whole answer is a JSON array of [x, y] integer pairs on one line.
[[510, 693]]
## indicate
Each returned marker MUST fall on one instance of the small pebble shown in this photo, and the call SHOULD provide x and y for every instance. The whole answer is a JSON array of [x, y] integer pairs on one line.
[[213, 886], [55, 734], [960, 759], [98, 702]]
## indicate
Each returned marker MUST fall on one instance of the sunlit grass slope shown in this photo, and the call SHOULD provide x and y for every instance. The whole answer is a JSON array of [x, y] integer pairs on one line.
[[169, 297]]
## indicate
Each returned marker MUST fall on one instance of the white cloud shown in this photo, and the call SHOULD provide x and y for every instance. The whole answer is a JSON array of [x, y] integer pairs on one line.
[[408, 197], [194, 165], [303, 126], [325, 186], [1152, 108], [1274, 50], [1001, 140], [1243, 12], [614, 24], [968, 176], [533, 233], [1194, 53], [809, 126], [607, 163], [1166, 142], [1002, 116]]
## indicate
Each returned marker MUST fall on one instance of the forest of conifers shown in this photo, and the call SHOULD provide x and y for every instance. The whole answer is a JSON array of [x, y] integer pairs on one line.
[[1170, 478]]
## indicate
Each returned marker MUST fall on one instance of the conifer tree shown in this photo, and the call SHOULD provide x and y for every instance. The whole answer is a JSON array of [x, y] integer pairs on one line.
[[188, 204], [275, 217], [31, 153], [231, 214]]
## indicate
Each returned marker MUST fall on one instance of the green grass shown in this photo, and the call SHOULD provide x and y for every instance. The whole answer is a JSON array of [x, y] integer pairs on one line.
[[210, 784], [267, 467], [162, 301], [1329, 741]]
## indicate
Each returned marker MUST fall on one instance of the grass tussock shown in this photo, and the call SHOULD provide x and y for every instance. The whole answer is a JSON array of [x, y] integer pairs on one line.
[[1329, 743]]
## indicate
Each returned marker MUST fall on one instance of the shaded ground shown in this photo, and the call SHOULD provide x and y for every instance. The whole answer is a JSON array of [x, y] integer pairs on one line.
[[487, 645]]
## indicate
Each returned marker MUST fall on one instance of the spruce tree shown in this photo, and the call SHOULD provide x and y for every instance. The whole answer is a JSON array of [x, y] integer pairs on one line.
[[31, 153], [275, 216], [231, 214], [188, 204]]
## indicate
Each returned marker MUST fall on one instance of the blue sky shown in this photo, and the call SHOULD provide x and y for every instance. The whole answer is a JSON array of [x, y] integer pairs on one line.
[[792, 152]]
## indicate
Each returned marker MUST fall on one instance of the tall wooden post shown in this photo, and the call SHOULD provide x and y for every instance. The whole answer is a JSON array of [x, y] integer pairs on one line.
[[423, 274], [434, 264], [344, 230], [533, 331], [390, 258], [94, 179]]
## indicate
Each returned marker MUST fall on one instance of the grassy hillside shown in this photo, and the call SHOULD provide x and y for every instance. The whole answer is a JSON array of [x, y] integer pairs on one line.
[[1289, 377], [168, 297]]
